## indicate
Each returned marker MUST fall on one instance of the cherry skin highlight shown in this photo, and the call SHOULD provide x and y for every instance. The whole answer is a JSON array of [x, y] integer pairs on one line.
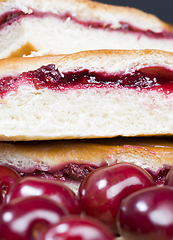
[[8, 177], [147, 214], [102, 191], [27, 217], [59, 192], [169, 178], [77, 228]]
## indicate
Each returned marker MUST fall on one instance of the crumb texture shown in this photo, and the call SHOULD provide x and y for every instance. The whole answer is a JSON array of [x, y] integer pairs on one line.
[[42, 114]]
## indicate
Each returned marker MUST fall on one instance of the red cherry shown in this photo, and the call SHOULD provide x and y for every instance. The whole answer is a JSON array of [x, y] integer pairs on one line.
[[147, 215], [59, 192], [27, 217], [169, 178], [102, 191], [77, 228], [8, 177]]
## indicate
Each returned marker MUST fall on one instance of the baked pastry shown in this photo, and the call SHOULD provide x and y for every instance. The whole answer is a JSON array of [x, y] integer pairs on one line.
[[92, 94], [73, 160], [67, 26]]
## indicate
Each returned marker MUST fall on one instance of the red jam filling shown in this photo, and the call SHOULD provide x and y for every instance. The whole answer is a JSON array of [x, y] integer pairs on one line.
[[12, 16], [77, 172], [153, 78], [72, 171], [160, 176]]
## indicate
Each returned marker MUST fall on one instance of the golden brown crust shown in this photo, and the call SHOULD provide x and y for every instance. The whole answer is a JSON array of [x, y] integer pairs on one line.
[[116, 61], [120, 53], [155, 57], [17, 65], [126, 10], [64, 151], [150, 153], [123, 10], [157, 151], [25, 49]]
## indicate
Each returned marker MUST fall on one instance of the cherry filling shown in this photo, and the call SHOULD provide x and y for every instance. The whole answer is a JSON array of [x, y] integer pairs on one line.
[[12, 16], [151, 78], [126, 27], [71, 171], [78, 172], [160, 176]]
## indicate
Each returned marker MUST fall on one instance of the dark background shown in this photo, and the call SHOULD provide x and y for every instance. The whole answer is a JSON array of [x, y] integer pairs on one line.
[[161, 8]]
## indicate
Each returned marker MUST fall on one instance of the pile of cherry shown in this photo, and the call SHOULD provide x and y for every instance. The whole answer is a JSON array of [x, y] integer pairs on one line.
[[121, 199]]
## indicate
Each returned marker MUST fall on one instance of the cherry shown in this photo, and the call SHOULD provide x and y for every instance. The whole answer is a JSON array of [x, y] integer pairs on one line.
[[59, 192], [169, 178], [147, 214], [77, 228], [8, 177], [102, 190], [27, 217]]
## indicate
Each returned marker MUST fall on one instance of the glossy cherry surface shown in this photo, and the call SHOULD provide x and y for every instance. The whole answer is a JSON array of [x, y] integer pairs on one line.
[[8, 177], [169, 178], [27, 217], [59, 192], [147, 215], [77, 228], [102, 191]]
